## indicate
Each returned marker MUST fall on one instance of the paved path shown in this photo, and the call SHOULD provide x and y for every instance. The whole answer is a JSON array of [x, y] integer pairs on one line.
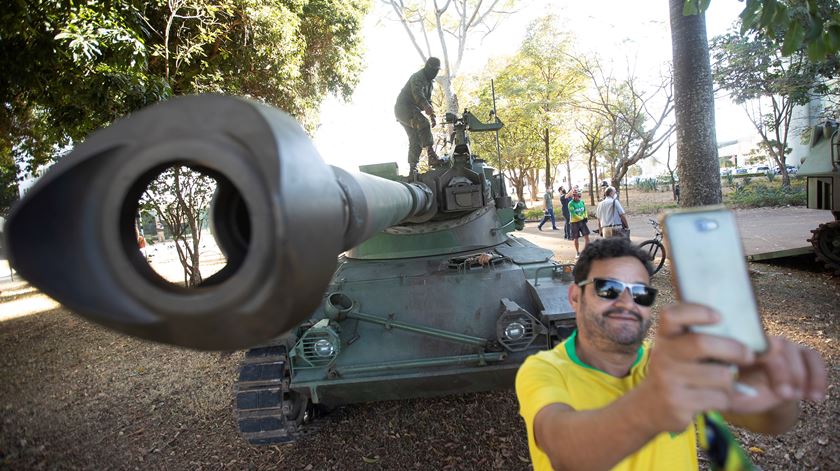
[[762, 230]]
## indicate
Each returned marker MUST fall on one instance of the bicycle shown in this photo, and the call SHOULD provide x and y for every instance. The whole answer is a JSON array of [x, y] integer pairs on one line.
[[654, 248]]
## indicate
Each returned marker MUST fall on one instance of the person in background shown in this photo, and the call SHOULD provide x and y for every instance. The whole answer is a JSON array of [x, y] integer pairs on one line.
[[414, 99], [564, 203], [579, 217], [606, 398], [611, 219], [548, 206], [141, 242]]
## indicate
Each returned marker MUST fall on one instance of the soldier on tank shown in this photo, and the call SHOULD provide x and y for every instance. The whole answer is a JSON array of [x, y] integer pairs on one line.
[[414, 99]]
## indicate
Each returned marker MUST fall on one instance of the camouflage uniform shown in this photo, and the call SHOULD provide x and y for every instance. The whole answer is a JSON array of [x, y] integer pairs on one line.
[[413, 100]]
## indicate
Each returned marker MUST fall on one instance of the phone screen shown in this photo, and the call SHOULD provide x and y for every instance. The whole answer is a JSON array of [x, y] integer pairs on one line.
[[710, 268]]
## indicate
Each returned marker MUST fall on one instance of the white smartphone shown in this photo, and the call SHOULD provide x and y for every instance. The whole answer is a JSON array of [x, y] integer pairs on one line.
[[709, 268]]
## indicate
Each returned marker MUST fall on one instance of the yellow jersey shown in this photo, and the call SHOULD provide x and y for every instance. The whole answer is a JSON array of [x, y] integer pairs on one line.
[[559, 376]]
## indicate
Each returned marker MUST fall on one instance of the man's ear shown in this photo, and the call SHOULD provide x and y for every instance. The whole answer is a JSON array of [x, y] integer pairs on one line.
[[575, 293]]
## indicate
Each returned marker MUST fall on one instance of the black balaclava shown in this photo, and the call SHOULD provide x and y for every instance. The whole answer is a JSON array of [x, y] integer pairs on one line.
[[431, 68]]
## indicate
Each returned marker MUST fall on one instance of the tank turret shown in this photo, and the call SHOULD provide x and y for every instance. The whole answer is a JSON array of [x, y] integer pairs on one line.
[[822, 168], [350, 287]]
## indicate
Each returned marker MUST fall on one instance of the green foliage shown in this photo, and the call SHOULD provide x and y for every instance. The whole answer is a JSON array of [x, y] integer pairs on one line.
[[68, 68], [648, 185], [759, 195], [654, 208], [533, 91], [72, 67], [746, 179], [8, 184], [771, 175], [532, 214], [663, 180], [635, 115], [730, 180], [812, 26], [750, 67], [753, 71]]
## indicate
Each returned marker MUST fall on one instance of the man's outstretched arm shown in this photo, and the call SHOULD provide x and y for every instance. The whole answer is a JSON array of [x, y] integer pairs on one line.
[[786, 374], [596, 439], [681, 383]]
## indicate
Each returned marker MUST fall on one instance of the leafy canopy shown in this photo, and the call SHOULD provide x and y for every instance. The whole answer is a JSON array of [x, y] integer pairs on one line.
[[810, 24], [72, 67]]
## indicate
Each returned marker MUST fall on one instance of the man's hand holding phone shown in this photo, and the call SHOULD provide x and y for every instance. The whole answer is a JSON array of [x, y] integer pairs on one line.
[[771, 374], [786, 372], [690, 373]]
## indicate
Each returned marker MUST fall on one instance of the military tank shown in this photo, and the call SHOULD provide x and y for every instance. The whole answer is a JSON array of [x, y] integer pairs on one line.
[[822, 168], [345, 287]]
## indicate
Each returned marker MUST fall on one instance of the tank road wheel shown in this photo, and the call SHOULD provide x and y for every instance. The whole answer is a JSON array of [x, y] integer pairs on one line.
[[826, 242], [267, 411]]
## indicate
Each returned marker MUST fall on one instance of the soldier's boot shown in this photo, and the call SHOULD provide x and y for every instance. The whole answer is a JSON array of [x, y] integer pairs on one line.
[[434, 160], [412, 171]]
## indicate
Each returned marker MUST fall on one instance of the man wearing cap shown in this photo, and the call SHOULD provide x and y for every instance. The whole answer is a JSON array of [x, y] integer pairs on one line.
[[414, 100], [579, 218]]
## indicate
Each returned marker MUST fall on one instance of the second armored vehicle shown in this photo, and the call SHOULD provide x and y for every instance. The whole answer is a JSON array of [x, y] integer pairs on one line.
[[822, 168]]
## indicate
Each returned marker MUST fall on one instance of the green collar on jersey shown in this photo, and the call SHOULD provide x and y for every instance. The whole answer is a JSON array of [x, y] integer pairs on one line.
[[571, 350]]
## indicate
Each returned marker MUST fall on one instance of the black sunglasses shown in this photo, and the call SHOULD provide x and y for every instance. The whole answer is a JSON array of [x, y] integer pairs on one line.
[[643, 295]]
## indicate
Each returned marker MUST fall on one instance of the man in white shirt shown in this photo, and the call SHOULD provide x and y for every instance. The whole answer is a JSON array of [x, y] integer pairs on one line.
[[611, 219]]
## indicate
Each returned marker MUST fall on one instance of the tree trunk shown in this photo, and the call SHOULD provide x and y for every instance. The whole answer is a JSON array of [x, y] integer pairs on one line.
[[547, 162], [626, 192], [518, 181], [694, 106], [569, 173], [593, 176], [451, 100], [671, 172], [781, 162], [534, 183]]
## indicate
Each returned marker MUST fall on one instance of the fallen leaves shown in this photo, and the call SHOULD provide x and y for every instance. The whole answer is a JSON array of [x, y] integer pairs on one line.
[[143, 396]]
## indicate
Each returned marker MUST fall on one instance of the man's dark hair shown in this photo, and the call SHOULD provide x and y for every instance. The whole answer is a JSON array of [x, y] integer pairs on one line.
[[603, 249], [433, 63]]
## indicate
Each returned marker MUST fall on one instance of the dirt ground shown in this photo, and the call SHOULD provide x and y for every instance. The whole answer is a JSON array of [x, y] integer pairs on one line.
[[76, 396]]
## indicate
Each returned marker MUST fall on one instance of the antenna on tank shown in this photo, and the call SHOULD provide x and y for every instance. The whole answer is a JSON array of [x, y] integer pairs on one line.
[[498, 149]]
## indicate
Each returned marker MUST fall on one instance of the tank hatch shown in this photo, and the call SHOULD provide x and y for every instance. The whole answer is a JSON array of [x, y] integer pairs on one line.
[[525, 254]]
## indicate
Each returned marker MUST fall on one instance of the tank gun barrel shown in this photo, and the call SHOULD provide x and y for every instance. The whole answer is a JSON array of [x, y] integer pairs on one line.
[[280, 215]]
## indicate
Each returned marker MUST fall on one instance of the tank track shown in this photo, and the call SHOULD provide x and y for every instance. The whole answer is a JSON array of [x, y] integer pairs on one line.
[[267, 411], [826, 242]]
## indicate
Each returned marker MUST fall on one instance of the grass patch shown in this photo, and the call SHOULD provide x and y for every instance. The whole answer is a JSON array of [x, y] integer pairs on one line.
[[760, 194], [652, 208], [533, 214]]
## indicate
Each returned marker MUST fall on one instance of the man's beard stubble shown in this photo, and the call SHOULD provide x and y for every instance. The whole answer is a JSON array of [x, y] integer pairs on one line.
[[624, 338]]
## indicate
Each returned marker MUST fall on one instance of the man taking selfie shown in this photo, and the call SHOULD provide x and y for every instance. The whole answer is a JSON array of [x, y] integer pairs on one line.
[[607, 399]]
